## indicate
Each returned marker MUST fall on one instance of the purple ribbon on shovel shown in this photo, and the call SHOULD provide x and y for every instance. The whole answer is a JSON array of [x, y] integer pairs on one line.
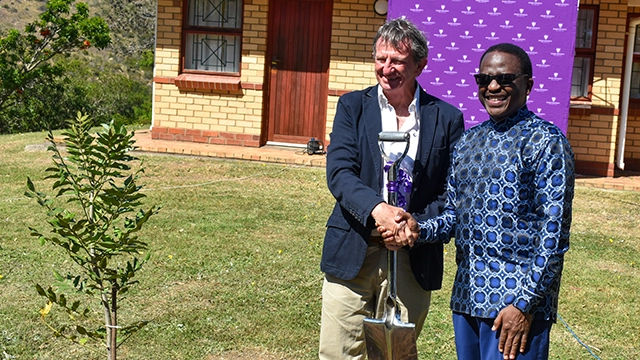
[[403, 182]]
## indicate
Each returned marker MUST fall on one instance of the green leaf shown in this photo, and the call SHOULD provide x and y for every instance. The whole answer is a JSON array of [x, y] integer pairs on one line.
[[51, 295], [30, 185], [57, 276], [62, 300], [81, 330], [40, 290]]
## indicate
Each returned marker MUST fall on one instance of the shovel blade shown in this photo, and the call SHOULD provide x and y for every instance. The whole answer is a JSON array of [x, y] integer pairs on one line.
[[390, 340]]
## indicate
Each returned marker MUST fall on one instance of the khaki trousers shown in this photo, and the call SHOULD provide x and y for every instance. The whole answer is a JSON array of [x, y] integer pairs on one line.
[[345, 304]]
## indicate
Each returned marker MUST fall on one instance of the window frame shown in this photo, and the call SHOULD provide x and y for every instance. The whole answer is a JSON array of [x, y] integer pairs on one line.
[[188, 29], [636, 55], [588, 53]]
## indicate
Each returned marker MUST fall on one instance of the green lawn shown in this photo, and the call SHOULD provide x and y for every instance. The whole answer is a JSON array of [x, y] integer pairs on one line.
[[234, 271]]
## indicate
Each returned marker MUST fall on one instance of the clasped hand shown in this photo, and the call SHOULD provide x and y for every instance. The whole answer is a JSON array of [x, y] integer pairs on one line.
[[396, 226]]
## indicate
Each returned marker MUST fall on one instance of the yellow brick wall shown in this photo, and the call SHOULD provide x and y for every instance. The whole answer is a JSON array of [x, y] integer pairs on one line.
[[221, 111], [195, 110], [254, 40], [591, 136], [168, 35], [351, 67], [593, 132]]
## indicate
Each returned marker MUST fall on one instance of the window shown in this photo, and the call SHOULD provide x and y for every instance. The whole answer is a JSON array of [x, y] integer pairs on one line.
[[212, 37], [634, 90], [585, 53]]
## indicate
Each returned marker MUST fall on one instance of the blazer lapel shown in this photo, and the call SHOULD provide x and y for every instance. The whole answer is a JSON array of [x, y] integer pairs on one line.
[[428, 121], [373, 125]]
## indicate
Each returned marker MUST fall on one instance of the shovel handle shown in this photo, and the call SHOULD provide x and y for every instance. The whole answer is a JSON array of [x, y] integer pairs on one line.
[[393, 136], [392, 256]]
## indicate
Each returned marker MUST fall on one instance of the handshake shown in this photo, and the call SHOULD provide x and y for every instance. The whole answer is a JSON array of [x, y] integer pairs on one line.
[[396, 226]]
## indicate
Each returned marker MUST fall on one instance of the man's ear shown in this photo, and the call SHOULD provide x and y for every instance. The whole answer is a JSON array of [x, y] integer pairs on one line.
[[529, 85], [421, 65]]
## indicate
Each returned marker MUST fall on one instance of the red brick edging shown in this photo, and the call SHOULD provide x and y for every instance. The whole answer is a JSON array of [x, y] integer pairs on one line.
[[205, 136]]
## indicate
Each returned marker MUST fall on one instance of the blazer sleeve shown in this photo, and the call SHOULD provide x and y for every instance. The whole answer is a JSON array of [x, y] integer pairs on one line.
[[351, 175]]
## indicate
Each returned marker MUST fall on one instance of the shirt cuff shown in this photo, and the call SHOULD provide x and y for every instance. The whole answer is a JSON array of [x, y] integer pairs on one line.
[[526, 301]]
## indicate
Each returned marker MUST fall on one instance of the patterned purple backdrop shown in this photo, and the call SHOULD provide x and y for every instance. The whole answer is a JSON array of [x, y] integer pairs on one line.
[[459, 31]]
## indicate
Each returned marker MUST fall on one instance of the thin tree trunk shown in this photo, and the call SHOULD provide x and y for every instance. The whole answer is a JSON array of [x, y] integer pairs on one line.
[[109, 326], [114, 323]]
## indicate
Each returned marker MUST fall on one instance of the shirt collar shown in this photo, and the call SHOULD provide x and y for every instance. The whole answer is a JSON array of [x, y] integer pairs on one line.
[[413, 107], [507, 123]]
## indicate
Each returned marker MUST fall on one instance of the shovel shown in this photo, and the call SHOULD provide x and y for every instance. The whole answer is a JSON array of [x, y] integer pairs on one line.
[[388, 338]]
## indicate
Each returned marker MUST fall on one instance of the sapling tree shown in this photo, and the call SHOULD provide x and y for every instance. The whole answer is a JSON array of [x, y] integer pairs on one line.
[[94, 217]]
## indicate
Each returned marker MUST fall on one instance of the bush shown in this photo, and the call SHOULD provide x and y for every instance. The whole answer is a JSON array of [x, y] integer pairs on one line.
[[53, 69], [87, 85], [112, 91], [95, 217]]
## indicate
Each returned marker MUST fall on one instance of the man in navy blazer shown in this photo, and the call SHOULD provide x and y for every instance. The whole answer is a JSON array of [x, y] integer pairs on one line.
[[354, 255]]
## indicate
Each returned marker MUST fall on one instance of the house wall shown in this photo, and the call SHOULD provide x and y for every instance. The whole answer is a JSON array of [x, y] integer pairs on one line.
[[214, 110], [351, 66], [593, 131], [209, 109], [233, 116]]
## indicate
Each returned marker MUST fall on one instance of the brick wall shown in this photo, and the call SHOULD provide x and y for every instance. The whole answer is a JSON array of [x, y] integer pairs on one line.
[[593, 131], [218, 111], [351, 67]]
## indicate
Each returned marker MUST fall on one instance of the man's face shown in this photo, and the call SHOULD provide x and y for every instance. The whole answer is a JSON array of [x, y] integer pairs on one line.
[[396, 70], [502, 101]]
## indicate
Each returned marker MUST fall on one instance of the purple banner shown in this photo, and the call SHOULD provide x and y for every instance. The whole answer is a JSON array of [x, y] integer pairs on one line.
[[459, 31]]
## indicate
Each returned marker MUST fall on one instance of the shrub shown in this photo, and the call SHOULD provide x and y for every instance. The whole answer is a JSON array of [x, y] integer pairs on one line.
[[95, 229]]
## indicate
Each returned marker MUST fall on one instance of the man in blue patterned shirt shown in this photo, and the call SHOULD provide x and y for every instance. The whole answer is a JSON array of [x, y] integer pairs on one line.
[[509, 195]]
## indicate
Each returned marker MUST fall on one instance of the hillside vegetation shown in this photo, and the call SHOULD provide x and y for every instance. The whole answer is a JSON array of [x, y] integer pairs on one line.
[[15, 14], [108, 83], [131, 22]]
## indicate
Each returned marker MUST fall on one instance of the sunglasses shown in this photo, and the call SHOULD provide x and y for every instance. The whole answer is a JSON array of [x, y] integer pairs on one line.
[[502, 79]]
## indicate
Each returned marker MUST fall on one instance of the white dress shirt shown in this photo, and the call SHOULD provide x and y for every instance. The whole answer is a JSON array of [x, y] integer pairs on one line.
[[394, 150]]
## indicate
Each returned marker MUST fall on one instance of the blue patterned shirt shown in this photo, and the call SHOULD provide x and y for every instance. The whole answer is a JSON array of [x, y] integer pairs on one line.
[[509, 197]]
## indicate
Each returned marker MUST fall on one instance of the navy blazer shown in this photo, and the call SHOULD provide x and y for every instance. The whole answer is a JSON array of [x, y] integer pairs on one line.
[[354, 177]]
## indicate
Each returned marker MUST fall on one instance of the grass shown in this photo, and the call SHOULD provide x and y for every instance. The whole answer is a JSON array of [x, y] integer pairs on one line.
[[235, 266]]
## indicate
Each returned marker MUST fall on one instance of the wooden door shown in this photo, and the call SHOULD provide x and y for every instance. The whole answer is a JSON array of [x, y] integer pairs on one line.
[[298, 75]]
